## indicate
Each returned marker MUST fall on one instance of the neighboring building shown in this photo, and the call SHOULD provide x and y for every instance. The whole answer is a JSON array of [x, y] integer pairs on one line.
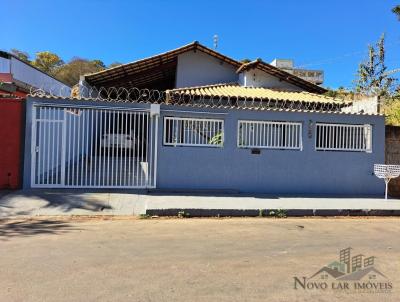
[[193, 118], [12, 120], [17, 78], [311, 75]]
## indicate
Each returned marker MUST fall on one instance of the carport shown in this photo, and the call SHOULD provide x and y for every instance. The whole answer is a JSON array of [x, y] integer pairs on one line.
[[77, 146]]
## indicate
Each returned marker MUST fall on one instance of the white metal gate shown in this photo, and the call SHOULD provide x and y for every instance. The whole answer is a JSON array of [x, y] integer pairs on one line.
[[93, 147]]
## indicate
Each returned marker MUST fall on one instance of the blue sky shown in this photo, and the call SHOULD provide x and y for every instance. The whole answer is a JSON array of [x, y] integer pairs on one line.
[[328, 35]]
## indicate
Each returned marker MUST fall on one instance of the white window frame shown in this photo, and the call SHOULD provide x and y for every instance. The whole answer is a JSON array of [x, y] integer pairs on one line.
[[345, 145], [193, 143], [266, 141]]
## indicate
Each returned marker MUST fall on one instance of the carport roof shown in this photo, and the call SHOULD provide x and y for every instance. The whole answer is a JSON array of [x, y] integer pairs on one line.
[[158, 72], [144, 73]]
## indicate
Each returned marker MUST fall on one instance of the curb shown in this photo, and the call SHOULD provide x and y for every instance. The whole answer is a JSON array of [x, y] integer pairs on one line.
[[265, 212]]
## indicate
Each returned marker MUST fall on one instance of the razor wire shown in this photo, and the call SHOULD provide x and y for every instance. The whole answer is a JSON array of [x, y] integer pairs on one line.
[[185, 98]]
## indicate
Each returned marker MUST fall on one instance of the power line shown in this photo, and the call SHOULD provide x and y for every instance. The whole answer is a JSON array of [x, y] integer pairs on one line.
[[338, 58], [332, 60]]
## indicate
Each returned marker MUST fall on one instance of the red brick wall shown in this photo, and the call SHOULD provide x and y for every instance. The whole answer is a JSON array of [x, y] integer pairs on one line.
[[11, 129]]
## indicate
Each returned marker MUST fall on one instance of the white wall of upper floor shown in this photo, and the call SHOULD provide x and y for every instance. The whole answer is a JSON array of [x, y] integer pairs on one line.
[[199, 69], [259, 78]]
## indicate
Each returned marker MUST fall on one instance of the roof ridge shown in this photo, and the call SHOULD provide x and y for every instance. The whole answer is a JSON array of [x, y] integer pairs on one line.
[[204, 86], [237, 89]]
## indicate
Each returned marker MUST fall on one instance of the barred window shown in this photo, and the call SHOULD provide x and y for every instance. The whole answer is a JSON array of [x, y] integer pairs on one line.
[[270, 135], [181, 131], [343, 137]]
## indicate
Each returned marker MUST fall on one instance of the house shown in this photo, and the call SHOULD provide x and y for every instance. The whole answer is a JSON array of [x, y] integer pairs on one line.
[[17, 79], [369, 273], [349, 268], [193, 118], [313, 76], [196, 65], [326, 273]]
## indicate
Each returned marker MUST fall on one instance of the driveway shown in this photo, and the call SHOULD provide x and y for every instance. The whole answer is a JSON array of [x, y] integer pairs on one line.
[[238, 259]]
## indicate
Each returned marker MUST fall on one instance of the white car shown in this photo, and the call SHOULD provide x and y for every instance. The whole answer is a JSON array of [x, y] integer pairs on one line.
[[117, 140]]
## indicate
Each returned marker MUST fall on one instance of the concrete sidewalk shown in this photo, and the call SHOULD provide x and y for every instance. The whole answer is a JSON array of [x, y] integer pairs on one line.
[[242, 204], [129, 202], [69, 202]]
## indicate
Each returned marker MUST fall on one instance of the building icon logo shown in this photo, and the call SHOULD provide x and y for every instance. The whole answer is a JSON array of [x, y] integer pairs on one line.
[[357, 273]]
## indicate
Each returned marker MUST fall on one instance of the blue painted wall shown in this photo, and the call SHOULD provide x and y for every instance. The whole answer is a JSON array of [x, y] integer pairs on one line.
[[273, 171]]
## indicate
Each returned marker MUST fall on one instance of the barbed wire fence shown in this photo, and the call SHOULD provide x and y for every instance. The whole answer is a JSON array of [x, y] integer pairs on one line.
[[182, 98]]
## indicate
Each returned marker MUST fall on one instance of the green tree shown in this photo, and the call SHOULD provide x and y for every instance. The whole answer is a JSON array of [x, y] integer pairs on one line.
[[69, 73], [391, 108], [372, 77], [48, 62], [98, 63], [396, 11], [340, 93], [114, 64], [22, 55]]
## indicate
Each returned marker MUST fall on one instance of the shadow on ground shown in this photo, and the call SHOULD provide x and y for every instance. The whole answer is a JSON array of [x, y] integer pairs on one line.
[[25, 228], [64, 200]]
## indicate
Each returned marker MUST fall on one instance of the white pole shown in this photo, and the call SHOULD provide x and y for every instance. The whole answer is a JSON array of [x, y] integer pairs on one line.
[[386, 186], [63, 146], [155, 150]]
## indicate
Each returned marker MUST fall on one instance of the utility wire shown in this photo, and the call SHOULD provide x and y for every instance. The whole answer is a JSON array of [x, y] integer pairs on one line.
[[344, 56]]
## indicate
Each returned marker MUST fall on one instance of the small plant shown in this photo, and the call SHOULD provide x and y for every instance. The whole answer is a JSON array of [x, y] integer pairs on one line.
[[144, 216], [279, 213], [216, 139], [260, 213], [183, 214]]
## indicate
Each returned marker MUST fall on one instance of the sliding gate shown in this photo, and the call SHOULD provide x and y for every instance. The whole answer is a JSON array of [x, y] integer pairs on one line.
[[93, 147]]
